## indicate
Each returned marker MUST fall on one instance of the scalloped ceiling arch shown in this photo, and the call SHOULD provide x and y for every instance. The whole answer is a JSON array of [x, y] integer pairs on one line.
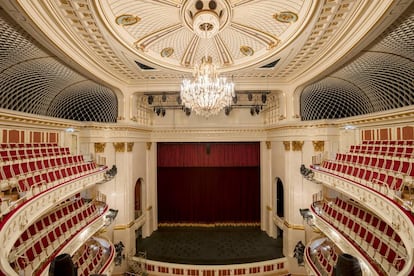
[[382, 76], [33, 81]]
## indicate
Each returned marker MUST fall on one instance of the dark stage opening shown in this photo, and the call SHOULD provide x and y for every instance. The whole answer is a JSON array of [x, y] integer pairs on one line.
[[208, 183], [217, 245]]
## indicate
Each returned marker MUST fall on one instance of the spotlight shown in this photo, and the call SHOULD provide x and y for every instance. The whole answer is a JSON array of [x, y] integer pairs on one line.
[[235, 99], [111, 215], [252, 111], [158, 111], [227, 110], [250, 96], [150, 99], [163, 112], [179, 101], [257, 109], [164, 98], [187, 111], [264, 98]]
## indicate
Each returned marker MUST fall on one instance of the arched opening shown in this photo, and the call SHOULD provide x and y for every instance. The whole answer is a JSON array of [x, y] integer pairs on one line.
[[280, 212], [138, 198]]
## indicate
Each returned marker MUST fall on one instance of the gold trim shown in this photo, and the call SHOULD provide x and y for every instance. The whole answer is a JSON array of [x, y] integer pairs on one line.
[[130, 146], [297, 145], [121, 227], [127, 20], [269, 144], [318, 145], [149, 144], [293, 226], [167, 52], [119, 147], [246, 50], [149, 208], [286, 17], [99, 147], [269, 208], [287, 145]]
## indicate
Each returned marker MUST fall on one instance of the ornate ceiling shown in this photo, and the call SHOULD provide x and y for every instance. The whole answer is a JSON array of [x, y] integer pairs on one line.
[[79, 59], [177, 34], [150, 45]]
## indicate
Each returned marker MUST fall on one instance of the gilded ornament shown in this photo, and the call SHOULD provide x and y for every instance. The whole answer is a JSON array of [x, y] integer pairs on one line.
[[167, 52], [287, 145], [149, 144], [286, 17], [318, 145], [130, 146], [127, 20], [269, 144], [246, 50], [99, 147], [119, 147], [297, 145]]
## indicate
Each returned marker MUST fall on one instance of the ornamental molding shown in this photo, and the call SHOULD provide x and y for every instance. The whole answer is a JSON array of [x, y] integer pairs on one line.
[[149, 144], [119, 146], [286, 144], [297, 145], [318, 146], [130, 146], [99, 147], [269, 145]]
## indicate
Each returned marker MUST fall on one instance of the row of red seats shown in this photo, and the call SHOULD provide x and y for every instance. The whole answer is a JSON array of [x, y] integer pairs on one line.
[[26, 145], [48, 221], [324, 261], [22, 168], [395, 165], [82, 255], [89, 263], [40, 247], [12, 155], [389, 142], [57, 175], [390, 150], [370, 220], [374, 237], [366, 176]]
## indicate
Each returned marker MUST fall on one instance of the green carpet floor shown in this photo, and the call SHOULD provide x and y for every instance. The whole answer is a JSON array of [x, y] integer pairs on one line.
[[210, 245]]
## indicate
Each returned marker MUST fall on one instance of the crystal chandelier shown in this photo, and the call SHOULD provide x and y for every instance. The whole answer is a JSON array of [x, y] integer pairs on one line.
[[207, 93]]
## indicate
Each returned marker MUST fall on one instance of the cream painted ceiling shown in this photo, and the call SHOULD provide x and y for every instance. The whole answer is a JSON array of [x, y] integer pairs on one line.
[[301, 38], [81, 59]]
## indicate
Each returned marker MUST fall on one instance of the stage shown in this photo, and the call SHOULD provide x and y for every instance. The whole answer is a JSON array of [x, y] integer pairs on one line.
[[217, 245]]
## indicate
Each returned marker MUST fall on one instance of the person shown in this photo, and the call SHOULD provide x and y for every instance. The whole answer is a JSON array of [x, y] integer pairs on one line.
[[119, 247], [298, 252]]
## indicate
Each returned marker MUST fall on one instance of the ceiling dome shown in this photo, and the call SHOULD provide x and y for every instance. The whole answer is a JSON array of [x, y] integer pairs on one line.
[[177, 34]]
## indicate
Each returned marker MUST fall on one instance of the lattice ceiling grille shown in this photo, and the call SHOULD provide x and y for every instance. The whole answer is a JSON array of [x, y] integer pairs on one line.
[[35, 82], [381, 78]]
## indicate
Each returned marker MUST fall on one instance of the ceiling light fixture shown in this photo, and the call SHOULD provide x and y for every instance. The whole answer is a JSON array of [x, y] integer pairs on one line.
[[206, 93]]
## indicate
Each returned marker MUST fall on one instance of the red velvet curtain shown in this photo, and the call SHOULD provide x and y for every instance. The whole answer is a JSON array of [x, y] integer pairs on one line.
[[209, 194], [208, 154], [222, 187]]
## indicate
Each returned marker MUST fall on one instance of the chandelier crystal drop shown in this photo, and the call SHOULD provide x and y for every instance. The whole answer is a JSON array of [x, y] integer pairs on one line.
[[207, 93]]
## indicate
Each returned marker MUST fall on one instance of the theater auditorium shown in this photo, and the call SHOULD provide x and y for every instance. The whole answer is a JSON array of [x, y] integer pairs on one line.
[[206, 137]]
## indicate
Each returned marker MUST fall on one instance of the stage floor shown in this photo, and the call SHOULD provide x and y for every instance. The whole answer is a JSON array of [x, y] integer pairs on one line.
[[210, 245]]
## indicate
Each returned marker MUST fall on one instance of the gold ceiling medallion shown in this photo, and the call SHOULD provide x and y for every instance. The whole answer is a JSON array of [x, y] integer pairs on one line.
[[127, 20], [167, 52], [286, 17], [246, 50]]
